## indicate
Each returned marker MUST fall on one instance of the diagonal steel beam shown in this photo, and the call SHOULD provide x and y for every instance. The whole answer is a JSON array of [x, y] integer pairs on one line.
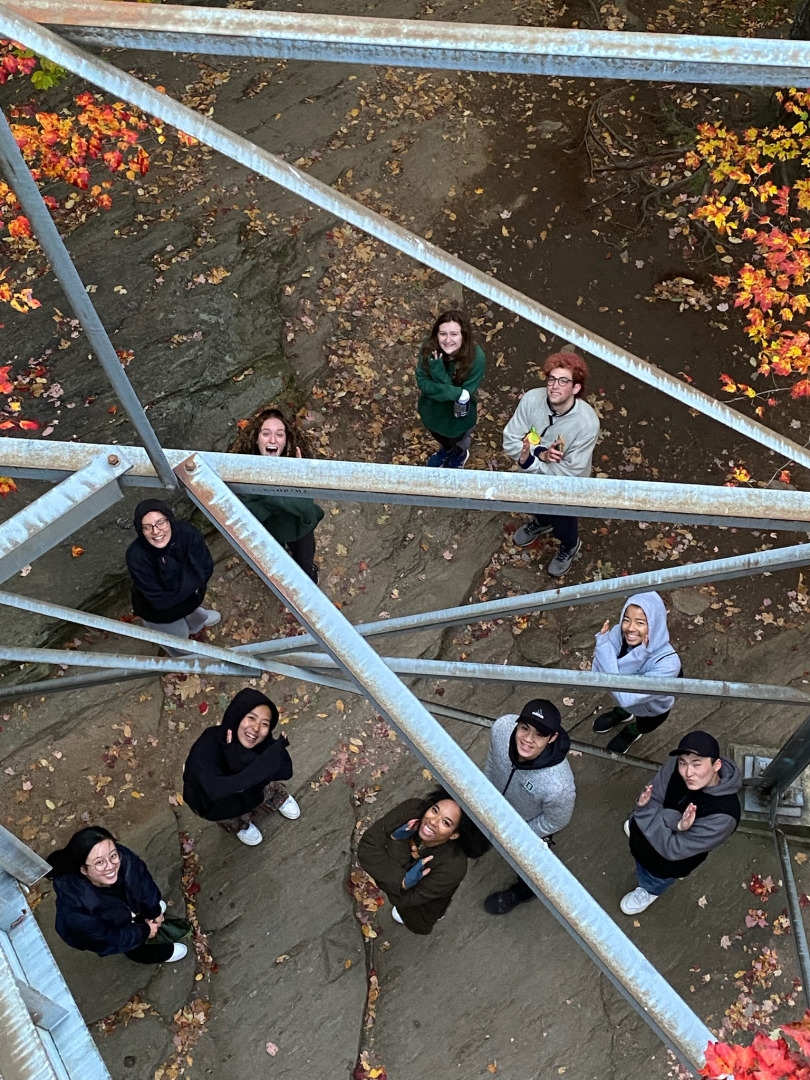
[[573, 678], [25, 188], [588, 592], [144, 665], [597, 934], [58, 513], [263, 163], [534, 50], [237, 665]]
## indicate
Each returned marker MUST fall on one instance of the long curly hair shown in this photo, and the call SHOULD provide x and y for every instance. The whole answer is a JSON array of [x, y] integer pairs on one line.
[[463, 359], [247, 440], [470, 838]]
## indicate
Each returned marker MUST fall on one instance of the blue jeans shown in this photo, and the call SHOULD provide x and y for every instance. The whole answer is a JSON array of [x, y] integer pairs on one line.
[[655, 886]]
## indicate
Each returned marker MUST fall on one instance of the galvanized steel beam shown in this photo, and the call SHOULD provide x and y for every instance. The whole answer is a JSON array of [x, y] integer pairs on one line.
[[25, 188], [19, 861], [58, 513], [573, 678], [525, 50], [789, 763], [587, 592], [263, 163], [512, 491], [235, 665], [795, 910], [22, 1055], [19, 691], [655, 1000]]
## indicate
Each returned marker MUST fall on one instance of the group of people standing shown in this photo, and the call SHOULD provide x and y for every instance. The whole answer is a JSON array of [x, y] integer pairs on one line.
[[107, 901]]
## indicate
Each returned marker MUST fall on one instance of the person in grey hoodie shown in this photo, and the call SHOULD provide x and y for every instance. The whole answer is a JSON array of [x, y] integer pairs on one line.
[[527, 764], [689, 809], [638, 645]]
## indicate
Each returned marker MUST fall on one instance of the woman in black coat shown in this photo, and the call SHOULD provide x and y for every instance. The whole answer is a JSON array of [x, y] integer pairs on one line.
[[233, 771], [170, 564], [417, 854], [107, 901]]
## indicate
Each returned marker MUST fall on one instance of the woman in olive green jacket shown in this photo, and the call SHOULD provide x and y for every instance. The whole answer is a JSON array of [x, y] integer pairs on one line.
[[291, 521], [417, 854], [448, 372]]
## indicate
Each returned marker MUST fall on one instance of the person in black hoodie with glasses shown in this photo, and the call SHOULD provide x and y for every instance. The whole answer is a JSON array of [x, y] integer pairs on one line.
[[170, 566], [233, 771], [527, 763]]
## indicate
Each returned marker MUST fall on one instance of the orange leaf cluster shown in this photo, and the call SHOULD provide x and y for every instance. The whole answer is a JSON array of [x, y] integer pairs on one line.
[[765, 1059], [771, 286]]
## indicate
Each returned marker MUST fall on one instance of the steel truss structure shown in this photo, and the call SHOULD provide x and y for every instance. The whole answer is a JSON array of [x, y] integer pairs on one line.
[[90, 478]]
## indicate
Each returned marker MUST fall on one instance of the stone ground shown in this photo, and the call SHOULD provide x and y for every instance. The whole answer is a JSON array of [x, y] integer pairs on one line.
[[328, 321]]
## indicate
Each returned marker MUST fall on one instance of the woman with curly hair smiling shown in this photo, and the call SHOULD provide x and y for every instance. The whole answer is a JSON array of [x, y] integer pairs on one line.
[[291, 521]]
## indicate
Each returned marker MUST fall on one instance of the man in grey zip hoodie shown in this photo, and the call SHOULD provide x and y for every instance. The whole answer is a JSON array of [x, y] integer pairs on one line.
[[689, 809], [527, 764]]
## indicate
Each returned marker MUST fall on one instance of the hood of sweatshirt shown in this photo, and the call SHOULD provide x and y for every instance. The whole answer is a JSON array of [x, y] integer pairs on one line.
[[656, 614], [238, 756], [553, 754], [730, 779], [149, 506]]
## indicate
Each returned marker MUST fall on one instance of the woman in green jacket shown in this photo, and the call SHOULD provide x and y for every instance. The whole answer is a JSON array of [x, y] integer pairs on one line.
[[290, 521], [448, 372], [417, 854]]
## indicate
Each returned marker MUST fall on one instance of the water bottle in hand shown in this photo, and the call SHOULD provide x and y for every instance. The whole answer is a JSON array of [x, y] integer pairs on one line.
[[462, 406]]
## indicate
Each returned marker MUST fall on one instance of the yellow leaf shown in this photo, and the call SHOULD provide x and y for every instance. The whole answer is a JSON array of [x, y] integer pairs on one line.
[[136, 794], [366, 931], [111, 801], [50, 805], [427, 774], [340, 706], [492, 1067]]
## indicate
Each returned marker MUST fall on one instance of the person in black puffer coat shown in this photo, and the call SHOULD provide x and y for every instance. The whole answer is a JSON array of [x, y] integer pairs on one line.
[[107, 901], [233, 771], [170, 566]]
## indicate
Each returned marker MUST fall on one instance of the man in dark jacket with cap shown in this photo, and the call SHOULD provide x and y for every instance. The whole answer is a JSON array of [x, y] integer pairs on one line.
[[170, 566], [689, 809], [527, 763]]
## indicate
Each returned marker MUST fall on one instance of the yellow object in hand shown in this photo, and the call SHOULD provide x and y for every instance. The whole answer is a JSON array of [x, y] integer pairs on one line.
[[533, 437]]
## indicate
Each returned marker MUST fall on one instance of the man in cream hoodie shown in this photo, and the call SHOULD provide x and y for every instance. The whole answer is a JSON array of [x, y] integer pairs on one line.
[[554, 431]]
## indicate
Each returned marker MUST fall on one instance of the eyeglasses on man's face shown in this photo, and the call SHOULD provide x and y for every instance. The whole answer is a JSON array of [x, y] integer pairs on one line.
[[560, 381], [157, 525]]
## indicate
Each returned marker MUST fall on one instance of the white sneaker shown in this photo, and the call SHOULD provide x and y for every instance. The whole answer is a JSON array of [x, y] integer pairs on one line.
[[289, 809], [395, 915], [162, 907], [627, 827], [637, 901], [250, 836], [212, 618], [178, 952]]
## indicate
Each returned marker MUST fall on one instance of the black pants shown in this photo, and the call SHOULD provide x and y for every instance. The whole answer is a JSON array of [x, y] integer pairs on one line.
[[564, 529], [460, 443], [150, 954], [303, 551], [645, 724]]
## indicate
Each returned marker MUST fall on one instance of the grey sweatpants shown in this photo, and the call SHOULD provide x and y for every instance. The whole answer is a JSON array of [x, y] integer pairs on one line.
[[182, 628]]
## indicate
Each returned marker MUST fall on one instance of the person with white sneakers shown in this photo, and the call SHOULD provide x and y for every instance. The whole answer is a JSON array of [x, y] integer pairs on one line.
[[107, 902], [689, 809], [170, 566], [554, 432], [234, 770]]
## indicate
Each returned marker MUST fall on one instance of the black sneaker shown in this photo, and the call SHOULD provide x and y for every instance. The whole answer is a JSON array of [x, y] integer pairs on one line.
[[610, 719], [500, 903], [622, 742]]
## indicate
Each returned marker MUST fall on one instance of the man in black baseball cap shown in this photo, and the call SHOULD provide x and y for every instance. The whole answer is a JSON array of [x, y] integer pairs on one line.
[[527, 763], [689, 809]]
